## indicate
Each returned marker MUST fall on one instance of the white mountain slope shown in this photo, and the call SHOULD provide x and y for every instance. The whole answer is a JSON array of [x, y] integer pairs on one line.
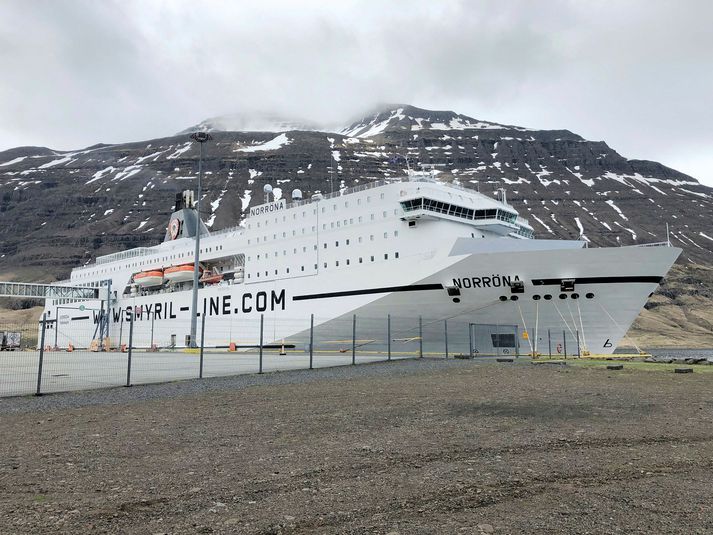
[[252, 122]]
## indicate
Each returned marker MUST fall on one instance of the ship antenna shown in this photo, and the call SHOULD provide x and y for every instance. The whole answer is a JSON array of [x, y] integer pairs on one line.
[[331, 172], [668, 238]]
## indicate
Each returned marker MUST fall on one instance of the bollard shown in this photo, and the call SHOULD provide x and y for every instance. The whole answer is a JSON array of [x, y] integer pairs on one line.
[[200, 370], [262, 323], [420, 337], [311, 341], [353, 339], [131, 343], [445, 333], [42, 355], [388, 337]]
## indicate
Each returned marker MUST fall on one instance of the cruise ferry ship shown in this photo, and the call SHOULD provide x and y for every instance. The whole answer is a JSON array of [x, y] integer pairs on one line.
[[410, 247]]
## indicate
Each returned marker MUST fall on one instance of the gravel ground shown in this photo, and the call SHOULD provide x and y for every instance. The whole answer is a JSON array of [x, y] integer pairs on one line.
[[414, 446]]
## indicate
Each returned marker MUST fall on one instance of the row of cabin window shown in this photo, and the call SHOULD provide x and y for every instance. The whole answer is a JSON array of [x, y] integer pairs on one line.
[[314, 211], [314, 247], [332, 225], [143, 262], [326, 265]]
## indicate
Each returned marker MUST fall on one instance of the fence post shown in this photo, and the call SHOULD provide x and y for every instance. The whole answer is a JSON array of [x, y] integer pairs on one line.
[[388, 337], [121, 330], [153, 317], [42, 355], [579, 354], [354, 339], [549, 342], [420, 337], [564, 341], [497, 339], [445, 332], [262, 323], [56, 326], [517, 341], [131, 342], [311, 340], [200, 371]]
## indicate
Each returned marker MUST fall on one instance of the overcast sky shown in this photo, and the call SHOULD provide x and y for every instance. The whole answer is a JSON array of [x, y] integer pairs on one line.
[[637, 74]]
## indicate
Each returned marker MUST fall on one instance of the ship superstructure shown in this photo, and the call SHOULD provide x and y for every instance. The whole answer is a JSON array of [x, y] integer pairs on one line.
[[410, 247]]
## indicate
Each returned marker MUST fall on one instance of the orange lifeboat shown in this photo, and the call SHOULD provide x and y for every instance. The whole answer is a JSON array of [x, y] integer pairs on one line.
[[182, 273], [148, 279], [211, 278]]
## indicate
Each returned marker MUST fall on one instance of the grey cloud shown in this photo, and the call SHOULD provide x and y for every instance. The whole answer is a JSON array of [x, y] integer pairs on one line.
[[636, 74]]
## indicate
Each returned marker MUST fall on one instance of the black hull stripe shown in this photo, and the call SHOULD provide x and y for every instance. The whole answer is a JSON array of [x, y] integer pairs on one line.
[[367, 291], [80, 318], [599, 280]]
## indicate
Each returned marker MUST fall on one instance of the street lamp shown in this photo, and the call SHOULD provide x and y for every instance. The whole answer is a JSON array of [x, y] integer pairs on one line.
[[201, 138]]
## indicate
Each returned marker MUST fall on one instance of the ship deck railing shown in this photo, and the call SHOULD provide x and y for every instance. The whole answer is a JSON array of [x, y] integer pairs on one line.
[[655, 244]]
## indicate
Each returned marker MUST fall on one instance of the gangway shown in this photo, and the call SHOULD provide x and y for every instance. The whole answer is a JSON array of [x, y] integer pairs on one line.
[[46, 291], [63, 291]]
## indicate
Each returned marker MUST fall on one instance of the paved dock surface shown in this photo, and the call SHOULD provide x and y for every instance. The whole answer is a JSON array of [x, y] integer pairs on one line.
[[64, 371], [416, 446]]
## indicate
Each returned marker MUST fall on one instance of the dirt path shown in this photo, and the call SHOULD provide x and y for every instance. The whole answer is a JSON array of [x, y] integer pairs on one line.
[[460, 447]]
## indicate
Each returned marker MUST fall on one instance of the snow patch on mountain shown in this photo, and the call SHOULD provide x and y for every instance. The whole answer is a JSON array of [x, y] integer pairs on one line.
[[274, 144], [177, 153], [12, 162], [96, 176], [616, 208], [245, 199], [65, 159]]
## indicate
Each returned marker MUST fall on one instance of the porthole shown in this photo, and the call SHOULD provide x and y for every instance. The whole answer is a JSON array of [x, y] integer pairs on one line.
[[548, 297], [563, 296], [536, 297], [456, 299], [590, 295], [575, 296], [503, 298], [514, 298]]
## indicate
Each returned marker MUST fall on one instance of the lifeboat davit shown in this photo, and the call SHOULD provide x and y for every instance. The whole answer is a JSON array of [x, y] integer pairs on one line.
[[182, 273], [149, 279]]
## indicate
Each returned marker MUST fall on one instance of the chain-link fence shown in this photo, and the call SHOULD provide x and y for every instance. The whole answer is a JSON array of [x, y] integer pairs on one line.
[[74, 353]]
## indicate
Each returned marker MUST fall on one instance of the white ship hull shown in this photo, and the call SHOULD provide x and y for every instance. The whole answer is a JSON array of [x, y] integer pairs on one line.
[[618, 280]]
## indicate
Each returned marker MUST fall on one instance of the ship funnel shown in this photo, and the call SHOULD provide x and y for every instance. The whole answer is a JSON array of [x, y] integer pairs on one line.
[[184, 199]]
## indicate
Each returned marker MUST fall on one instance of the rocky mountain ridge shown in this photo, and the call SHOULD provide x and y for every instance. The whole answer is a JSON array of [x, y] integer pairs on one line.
[[61, 209]]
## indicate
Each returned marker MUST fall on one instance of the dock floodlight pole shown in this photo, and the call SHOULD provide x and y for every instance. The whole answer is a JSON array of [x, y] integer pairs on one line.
[[201, 138]]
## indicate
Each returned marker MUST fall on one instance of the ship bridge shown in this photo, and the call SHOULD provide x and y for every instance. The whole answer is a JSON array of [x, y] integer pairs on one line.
[[495, 217]]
